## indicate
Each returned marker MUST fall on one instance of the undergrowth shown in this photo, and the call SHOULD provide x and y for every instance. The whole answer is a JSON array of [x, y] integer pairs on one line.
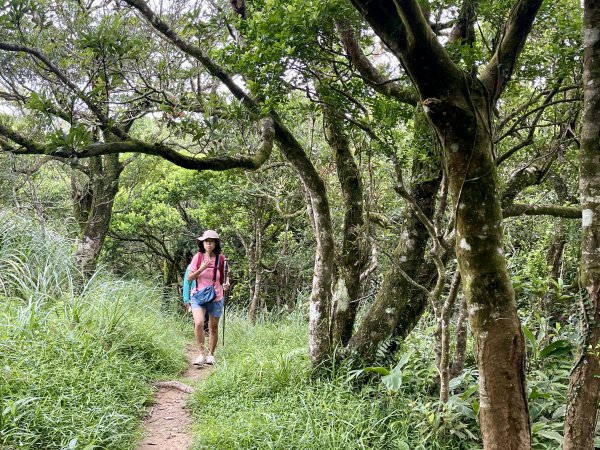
[[76, 358], [262, 395]]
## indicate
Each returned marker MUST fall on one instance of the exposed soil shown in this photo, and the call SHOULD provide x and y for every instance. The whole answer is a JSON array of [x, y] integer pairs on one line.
[[168, 422]]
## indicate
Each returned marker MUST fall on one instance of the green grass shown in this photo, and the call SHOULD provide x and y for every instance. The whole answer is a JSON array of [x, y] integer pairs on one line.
[[262, 396], [75, 359]]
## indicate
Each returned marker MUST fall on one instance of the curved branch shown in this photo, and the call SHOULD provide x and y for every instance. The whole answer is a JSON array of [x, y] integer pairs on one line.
[[369, 72], [29, 147], [500, 68], [195, 52], [402, 26], [104, 120], [519, 209]]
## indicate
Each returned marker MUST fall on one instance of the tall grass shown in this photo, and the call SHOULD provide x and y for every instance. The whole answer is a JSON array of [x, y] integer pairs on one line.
[[75, 358], [262, 396]]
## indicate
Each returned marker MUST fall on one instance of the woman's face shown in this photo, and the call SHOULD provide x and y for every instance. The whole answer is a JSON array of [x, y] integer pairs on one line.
[[209, 245]]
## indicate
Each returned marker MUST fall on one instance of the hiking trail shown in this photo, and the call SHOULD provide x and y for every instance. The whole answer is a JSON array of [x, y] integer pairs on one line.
[[168, 422]]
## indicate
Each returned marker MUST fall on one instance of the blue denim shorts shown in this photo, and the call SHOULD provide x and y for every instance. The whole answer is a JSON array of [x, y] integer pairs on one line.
[[213, 308]]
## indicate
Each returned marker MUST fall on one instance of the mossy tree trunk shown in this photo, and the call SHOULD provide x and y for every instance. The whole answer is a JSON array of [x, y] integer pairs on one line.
[[256, 257], [346, 288], [399, 305], [93, 203], [582, 398], [459, 108], [464, 128], [319, 317]]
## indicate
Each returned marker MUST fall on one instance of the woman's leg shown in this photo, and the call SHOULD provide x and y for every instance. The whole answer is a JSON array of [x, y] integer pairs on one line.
[[198, 314], [213, 334], [214, 311]]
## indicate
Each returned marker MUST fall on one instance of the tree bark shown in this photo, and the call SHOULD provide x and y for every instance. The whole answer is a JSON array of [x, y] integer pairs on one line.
[[465, 135], [93, 206], [442, 337], [584, 384], [347, 286], [398, 305], [256, 258], [459, 107], [460, 340]]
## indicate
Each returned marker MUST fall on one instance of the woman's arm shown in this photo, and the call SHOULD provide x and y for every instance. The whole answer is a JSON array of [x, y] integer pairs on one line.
[[201, 268]]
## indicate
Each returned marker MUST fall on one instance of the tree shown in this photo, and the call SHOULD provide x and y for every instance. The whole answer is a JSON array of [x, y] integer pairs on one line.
[[584, 385], [458, 105], [88, 93]]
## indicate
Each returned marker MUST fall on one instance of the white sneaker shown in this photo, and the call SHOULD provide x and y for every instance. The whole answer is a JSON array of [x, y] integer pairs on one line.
[[199, 360], [210, 359]]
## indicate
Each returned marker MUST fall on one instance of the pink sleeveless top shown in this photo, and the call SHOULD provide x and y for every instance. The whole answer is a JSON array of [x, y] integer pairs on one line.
[[205, 278]]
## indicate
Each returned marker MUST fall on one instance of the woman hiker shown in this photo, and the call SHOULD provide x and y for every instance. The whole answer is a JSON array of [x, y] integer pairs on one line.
[[202, 270]]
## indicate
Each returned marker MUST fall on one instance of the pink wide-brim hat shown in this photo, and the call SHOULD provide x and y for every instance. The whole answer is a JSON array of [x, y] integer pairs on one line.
[[209, 234]]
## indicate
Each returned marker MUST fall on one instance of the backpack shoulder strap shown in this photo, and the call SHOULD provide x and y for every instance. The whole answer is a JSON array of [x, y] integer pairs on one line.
[[217, 264], [222, 268]]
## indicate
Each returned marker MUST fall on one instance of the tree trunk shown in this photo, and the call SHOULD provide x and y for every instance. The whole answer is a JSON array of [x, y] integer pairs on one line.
[[93, 208], [442, 337], [554, 260], [582, 397], [464, 129], [255, 265], [460, 341], [398, 305], [459, 106], [279, 288], [257, 253], [463, 126], [347, 286], [320, 297], [255, 295], [290, 301]]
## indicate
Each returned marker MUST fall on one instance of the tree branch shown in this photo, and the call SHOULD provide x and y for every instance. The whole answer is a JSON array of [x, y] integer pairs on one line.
[[402, 27], [104, 120], [519, 209], [195, 52], [28, 147], [499, 69], [372, 76]]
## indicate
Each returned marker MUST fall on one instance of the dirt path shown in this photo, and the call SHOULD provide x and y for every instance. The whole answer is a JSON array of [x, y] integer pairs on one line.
[[168, 422]]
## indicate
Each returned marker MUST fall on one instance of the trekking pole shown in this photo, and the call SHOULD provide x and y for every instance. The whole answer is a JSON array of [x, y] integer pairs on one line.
[[225, 297]]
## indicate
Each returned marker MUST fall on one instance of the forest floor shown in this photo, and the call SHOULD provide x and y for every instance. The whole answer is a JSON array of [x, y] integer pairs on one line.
[[168, 421]]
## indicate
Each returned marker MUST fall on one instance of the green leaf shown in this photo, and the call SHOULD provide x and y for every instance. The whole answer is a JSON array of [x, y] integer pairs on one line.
[[531, 338], [393, 381], [559, 412], [535, 393], [403, 360], [553, 435], [402, 445], [379, 370], [469, 391], [557, 348]]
